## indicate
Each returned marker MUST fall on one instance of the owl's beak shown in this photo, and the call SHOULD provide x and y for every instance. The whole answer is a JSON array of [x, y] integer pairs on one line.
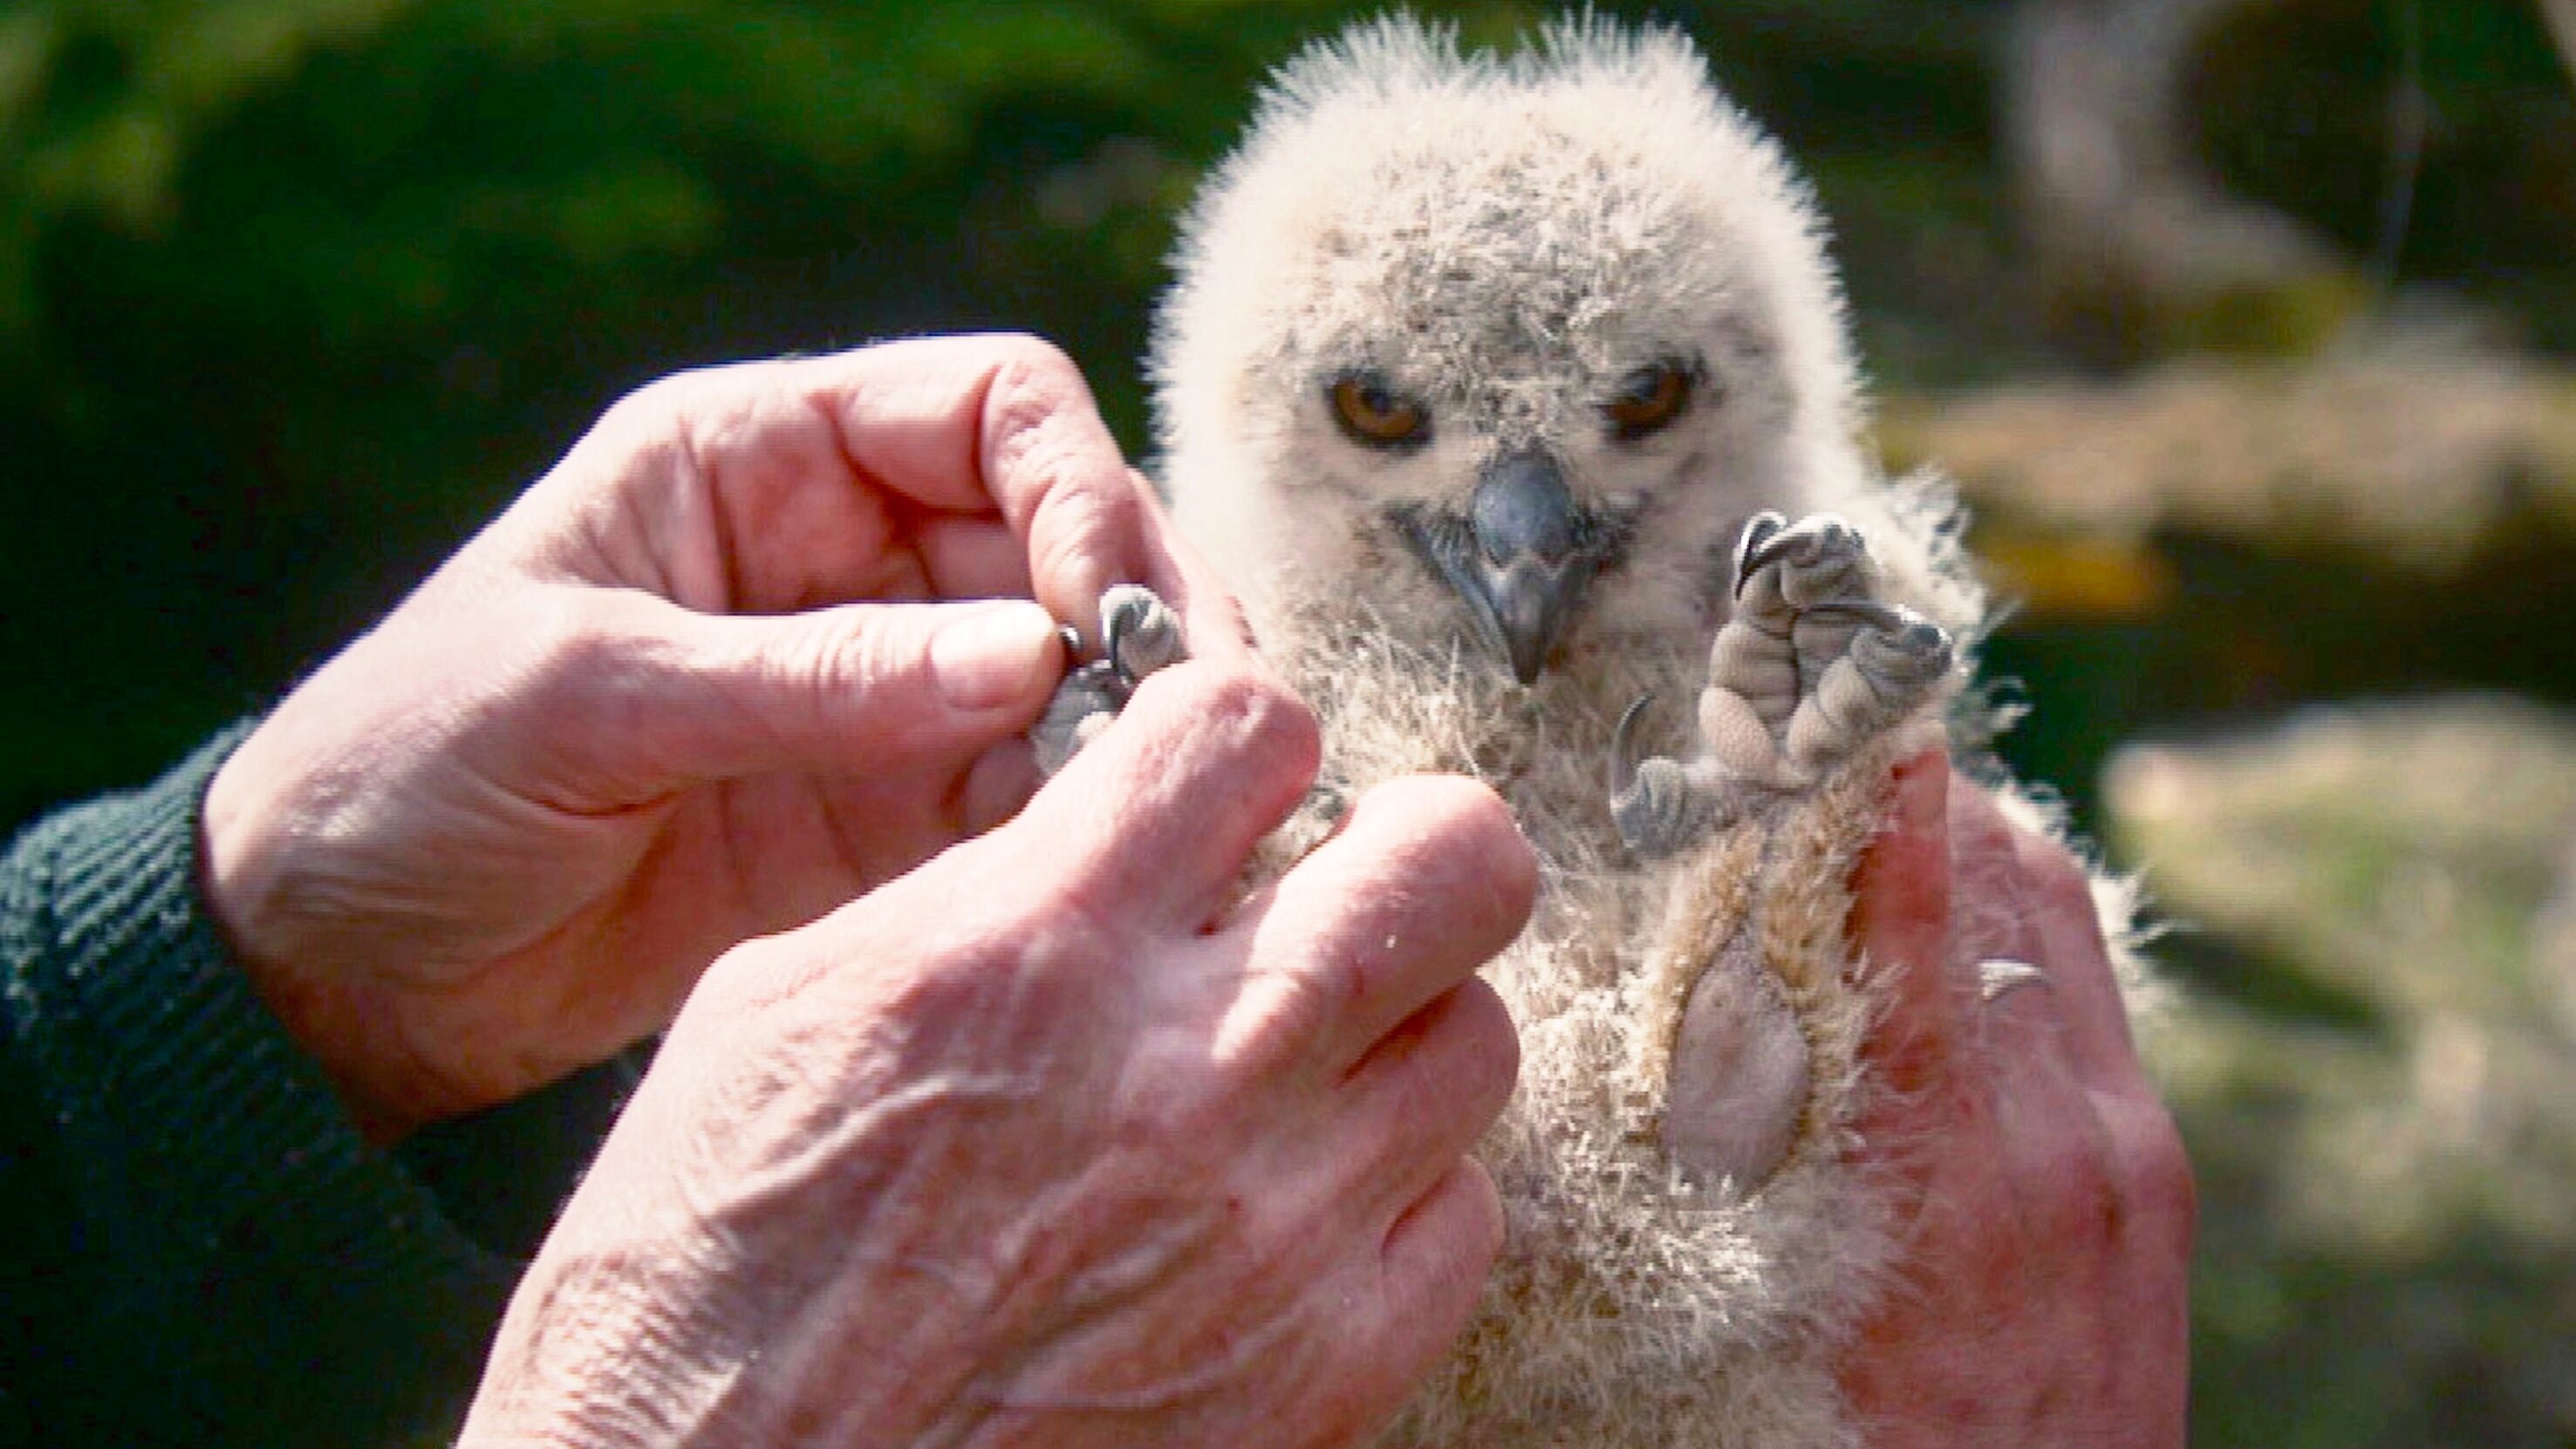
[[1521, 557]]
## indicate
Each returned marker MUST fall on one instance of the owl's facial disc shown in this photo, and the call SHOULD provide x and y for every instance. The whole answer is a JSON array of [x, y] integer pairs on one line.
[[1521, 556]]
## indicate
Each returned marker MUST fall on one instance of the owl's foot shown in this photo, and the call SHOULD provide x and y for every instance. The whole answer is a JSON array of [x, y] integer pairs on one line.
[[1812, 664], [1139, 634]]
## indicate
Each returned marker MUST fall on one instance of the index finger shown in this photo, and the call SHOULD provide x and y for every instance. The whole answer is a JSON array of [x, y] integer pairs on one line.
[[1900, 920], [1153, 821], [1425, 881], [1007, 424]]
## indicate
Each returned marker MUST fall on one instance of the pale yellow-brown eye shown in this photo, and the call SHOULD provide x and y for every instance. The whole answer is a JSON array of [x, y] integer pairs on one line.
[[1650, 398], [1375, 414]]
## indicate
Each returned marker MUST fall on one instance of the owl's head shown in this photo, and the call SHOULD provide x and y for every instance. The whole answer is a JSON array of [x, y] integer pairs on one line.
[[1504, 349]]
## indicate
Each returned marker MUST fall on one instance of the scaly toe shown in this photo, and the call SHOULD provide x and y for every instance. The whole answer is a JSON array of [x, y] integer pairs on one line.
[[1650, 800], [1140, 634], [1082, 705], [1828, 561], [1905, 660], [1871, 688], [1656, 809]]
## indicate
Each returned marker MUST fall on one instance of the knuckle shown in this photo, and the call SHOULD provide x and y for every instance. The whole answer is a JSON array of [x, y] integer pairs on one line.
[[1462, 1231], [1191, 1127], [841, 675], [581, 654], [1031, 361], [2091, 1208], [1033, 384], [1257, 717], [675, 425], [1448, 1075], [2047, 866], [1272, 1030], [1083, 528], [1161, 1122], [1056, 471], [2073, 1189], [860, 656], [2157, 1166], [653, 402], [674, 397], [1977, 822]]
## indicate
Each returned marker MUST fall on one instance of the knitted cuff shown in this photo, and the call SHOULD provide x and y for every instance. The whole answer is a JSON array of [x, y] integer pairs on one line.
[[212, 1165]]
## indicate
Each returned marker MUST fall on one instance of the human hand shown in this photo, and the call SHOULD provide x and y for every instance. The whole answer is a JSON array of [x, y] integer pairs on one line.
[[2043, 1273], [1058, 1139], [679, 694]]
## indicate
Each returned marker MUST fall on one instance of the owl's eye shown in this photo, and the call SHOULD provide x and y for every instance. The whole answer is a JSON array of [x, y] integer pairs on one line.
[[1648, 399], [1375, 414]]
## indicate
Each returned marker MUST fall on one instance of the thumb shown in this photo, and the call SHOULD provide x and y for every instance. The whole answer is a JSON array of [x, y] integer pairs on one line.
[[848, 690]]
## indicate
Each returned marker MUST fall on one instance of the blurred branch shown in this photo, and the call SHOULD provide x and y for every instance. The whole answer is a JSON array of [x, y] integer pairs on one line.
[[2561, 15], [2132, 233]]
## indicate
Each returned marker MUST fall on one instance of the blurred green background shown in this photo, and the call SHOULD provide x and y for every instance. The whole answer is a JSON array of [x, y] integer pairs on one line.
[[2268, 419]]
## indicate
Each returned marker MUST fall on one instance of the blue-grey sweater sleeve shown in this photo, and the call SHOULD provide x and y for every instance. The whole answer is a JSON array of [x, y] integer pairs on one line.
[[204, 1249]]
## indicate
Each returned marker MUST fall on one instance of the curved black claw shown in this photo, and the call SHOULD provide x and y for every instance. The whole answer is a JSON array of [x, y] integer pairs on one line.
[[1756, 546], [1139, 635], [1623, 763], [1809, 542], [1887, 617], [1653, 803]]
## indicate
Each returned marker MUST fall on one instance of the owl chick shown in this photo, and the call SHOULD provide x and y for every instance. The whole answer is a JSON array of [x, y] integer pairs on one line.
[[1510, 394]]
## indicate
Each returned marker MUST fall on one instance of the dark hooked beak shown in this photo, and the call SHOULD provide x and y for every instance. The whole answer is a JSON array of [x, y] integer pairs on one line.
[[1521, 557]]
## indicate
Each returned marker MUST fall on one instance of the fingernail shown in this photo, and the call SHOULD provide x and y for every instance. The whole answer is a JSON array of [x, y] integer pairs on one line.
[[999, 654]]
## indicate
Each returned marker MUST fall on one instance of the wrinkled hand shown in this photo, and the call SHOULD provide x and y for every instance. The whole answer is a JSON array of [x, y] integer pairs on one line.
[[1057, 1140], [681, 693], [2042, 1295]]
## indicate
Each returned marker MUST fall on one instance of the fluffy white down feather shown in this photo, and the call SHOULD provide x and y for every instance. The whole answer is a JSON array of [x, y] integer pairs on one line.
[[1505, 239]]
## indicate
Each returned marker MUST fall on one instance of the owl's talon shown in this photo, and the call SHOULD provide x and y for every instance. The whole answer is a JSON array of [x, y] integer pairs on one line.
[[1089, 696], [1140, 634], [1753, 549], [1658, 805], [1812, 665], [1905, 657], [1883, 673], [1819, 538], [1660, 812], [1886, 617], [1623, 762]]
